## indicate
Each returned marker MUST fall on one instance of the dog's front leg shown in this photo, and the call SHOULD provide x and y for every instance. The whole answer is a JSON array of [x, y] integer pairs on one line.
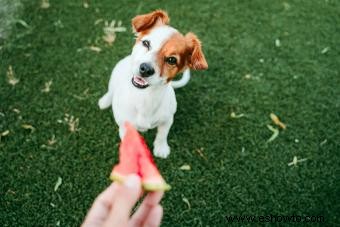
[[161, 148], [121, 131]]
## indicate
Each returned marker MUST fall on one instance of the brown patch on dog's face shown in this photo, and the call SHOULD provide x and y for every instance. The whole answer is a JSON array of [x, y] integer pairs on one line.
[[180, 52], [172, 58]]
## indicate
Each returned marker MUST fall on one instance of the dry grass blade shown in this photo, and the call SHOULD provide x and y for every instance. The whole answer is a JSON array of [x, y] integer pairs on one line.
[[110, 30], [10, 76], [200, 152], [234, 115], [16, 110], [325, 50], [28, 127], [275, 133], [51, 141], [45, 4], [98, 21], [95, 49], [185, 200], [47, 87], [58, 183], [4, 133], [185, 167], [72, 122], [296, 161], [277, 43]]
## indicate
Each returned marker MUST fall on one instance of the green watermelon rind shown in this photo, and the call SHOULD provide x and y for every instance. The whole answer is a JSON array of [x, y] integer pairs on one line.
[[156, 187], [146, 186], [117, 177]]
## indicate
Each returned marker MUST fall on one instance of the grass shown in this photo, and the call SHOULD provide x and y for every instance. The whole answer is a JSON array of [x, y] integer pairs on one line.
[[233, 170]]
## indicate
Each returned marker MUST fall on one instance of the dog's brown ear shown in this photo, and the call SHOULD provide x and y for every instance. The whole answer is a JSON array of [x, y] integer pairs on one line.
[[196, 57], [146, 21]]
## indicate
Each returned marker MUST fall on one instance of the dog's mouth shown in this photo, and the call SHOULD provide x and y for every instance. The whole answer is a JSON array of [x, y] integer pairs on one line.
[[139, 82]]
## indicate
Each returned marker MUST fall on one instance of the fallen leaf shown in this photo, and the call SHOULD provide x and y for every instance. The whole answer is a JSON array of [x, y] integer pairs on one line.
[[247, 76], [10, 76], [51, 141], [58, 183], [200, 152], [186, 201], [58, 24], [277, 121], [95, 49], [5, 133], [47, 147], [325, 50], [47, 87], [72, 122], [275, 133], [27, 126], [98, 21], [185, 167], [45, 4], [23, 23], [234, 115], [277, 43], [286, 5], [296, 161], [110, 30], [109, 38], [323, 142], [16, 110]]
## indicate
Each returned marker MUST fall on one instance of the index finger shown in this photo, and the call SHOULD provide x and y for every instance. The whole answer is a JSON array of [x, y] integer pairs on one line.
[[150, 201], [101, 206]]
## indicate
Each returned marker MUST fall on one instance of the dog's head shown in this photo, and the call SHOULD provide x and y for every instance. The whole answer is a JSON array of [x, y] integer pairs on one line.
[[161, 52]]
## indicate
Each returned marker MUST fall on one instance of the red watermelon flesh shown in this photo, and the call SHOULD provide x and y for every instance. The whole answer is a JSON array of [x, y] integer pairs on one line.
[[128, 157], [135, 157]]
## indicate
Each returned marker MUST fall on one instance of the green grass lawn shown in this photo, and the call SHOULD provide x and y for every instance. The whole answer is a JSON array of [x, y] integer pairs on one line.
[[264, 56]]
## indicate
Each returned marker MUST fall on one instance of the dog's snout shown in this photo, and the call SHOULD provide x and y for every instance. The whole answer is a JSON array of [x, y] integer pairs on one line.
[[146, 70]]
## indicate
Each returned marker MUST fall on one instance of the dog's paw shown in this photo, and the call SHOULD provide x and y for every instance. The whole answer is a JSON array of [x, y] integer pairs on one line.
[[161, 150], [105, 101], [101, 104]]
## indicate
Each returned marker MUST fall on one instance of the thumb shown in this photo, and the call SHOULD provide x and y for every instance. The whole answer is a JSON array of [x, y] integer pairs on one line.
[[126, 197]]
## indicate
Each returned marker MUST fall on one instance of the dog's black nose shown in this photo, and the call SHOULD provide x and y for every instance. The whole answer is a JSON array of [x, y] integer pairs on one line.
[[146, 70]]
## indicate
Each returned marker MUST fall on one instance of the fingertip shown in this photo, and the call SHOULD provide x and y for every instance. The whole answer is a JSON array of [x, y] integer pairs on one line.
[[155, 217], [127, 195]]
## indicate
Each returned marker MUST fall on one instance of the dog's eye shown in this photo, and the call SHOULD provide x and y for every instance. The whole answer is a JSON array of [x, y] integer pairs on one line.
[[146, 43], [171, 60]]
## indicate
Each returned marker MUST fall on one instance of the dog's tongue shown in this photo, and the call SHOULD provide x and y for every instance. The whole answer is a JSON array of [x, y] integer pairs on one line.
[[140, 80]]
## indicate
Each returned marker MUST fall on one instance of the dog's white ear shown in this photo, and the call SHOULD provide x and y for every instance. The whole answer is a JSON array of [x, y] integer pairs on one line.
[[146, 21], [196, 57]]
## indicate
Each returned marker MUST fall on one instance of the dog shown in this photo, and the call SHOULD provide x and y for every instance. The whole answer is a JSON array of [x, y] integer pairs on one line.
[[141, 87]]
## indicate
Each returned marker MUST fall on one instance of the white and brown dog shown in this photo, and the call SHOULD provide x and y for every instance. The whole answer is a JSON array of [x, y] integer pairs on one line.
[[141, 89]]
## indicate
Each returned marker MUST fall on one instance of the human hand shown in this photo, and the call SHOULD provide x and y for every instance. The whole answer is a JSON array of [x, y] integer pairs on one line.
[[113, 206]]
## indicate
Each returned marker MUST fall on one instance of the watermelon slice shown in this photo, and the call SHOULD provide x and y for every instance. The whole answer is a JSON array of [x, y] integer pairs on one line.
[[135, 157]]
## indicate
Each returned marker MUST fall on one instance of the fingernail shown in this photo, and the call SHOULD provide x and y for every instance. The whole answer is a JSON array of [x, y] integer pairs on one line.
[[132, 181]]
